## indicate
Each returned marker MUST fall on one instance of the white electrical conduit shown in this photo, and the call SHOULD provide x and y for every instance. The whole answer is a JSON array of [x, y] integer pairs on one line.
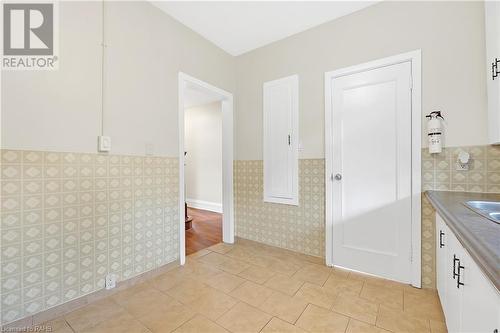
[[103, 56]]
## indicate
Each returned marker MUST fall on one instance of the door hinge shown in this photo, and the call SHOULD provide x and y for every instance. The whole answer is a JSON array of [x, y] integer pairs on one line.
[[289, 140]]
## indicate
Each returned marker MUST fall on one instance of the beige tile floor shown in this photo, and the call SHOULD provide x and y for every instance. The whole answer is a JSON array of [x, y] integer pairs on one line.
[[250, 287]]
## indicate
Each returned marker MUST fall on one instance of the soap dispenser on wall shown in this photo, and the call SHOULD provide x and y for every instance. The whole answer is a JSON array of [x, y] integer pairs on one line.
[[434, 132]]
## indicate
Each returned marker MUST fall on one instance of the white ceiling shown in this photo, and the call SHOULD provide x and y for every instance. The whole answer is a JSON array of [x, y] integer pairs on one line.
[[241, 26]]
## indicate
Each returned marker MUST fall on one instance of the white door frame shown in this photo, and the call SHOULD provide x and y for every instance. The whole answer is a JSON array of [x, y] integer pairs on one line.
[[416, 118], [226, 99]]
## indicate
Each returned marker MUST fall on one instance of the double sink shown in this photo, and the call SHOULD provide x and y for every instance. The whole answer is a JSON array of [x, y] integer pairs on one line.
[[488, 209]]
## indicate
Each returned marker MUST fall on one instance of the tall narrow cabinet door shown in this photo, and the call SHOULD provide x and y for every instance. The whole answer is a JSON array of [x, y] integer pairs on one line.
[[453, 308], [442, 232], [481, 300], [281, 140], [492, 35]]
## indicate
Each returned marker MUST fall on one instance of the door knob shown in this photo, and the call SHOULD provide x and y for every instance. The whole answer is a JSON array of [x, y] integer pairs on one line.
[[338, 176]]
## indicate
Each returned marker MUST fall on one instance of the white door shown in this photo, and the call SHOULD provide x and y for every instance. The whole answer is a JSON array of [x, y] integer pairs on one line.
[[372, 171]]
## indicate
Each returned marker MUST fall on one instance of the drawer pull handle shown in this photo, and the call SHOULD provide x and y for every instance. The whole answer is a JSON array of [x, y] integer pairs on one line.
[[459, 275], [441, 234], [455, 259]]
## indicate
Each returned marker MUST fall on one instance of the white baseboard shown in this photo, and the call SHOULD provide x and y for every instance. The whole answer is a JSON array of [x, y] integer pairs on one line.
[[205, 205]]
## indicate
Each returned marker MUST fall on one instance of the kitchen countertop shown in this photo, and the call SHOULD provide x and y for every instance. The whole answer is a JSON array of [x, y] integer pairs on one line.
[[477, 234]]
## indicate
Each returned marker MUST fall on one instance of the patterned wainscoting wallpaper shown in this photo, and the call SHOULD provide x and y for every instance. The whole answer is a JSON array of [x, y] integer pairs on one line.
[[68, 219], [439, 170], [428, 251], [302, 228], [439, 173], [297, 228]]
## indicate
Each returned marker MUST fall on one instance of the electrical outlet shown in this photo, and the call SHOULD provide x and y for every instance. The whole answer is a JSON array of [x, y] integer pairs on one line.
[[462, 167], [110, 282]]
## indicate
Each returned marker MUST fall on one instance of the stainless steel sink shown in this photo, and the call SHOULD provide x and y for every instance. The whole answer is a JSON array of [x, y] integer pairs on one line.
[[488, 209]]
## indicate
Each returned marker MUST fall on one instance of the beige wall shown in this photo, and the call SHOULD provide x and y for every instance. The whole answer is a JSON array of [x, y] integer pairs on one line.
[[203, 135], [68, 217], [60, 110], [450, 35]]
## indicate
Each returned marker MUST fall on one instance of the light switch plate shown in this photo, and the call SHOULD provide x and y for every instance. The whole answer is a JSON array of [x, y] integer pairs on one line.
[[104, 143]]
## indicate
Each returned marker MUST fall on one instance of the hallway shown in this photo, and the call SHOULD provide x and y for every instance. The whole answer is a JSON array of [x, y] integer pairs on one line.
[[206, 230]]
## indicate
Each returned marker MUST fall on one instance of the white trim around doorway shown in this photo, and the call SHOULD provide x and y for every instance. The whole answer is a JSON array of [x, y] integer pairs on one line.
[[226, 99], [415, 58]]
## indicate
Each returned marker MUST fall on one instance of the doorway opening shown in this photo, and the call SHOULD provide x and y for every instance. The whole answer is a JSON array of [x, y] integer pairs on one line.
[[202, 169], [205, 166]]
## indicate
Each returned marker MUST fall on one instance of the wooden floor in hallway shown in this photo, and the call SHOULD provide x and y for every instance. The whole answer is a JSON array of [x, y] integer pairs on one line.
[[206, 230]]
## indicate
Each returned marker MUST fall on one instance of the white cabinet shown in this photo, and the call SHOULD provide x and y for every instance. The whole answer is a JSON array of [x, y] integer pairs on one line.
[[492, 31], [442, 263], [281, 113], [470, 301], [480, 307]]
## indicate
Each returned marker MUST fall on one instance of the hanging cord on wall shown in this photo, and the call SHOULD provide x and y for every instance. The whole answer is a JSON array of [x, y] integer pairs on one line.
[[103, 57], [109, 275]]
